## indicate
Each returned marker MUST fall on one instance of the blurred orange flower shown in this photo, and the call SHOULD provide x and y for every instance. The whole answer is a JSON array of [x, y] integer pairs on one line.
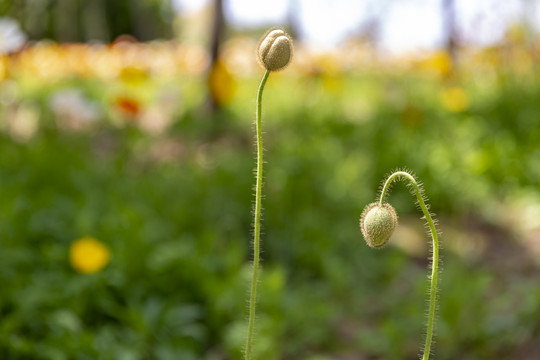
[[87, 255], [128, 106]]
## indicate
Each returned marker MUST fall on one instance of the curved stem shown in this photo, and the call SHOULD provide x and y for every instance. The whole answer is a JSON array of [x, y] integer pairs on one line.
[[257, 222], [435, 263]]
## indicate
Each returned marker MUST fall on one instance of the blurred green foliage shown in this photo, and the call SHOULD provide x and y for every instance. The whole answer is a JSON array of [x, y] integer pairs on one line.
[[178, 225], [91, 20]]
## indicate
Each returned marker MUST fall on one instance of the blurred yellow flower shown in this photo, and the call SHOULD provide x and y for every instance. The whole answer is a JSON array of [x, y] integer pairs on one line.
[[454, 99], [412, 116], [221, 83], [87, 255], [438, 63], [133, 75], [3, 67], [441, 62], [516, 34]]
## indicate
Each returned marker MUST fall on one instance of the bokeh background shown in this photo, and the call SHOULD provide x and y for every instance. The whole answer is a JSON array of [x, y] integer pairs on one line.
[[126, 178]]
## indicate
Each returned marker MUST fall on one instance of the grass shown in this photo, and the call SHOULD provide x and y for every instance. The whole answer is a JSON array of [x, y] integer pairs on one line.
[[175, 219]]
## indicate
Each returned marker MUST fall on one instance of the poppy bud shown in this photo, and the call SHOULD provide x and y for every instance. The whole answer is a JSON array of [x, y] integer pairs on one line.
[[275, 50], [378, 223]]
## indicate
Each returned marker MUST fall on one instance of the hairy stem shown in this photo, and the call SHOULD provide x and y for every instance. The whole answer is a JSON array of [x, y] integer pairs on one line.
[[257, 222], [435, 264]]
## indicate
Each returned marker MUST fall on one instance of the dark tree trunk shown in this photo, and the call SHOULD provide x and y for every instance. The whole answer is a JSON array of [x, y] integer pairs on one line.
[[450, 30], [218, 27]]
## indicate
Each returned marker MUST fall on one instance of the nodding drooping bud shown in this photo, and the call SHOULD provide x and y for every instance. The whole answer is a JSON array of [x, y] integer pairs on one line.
[[378, 223], [275, 50]]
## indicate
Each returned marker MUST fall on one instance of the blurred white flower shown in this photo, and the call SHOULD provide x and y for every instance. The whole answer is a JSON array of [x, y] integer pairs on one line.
[[156, 119], [11, 36], [9, 92], [21, 121], [73, 110]]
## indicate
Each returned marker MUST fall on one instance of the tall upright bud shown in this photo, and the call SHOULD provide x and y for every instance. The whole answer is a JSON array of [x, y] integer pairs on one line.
[[275, 50]]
